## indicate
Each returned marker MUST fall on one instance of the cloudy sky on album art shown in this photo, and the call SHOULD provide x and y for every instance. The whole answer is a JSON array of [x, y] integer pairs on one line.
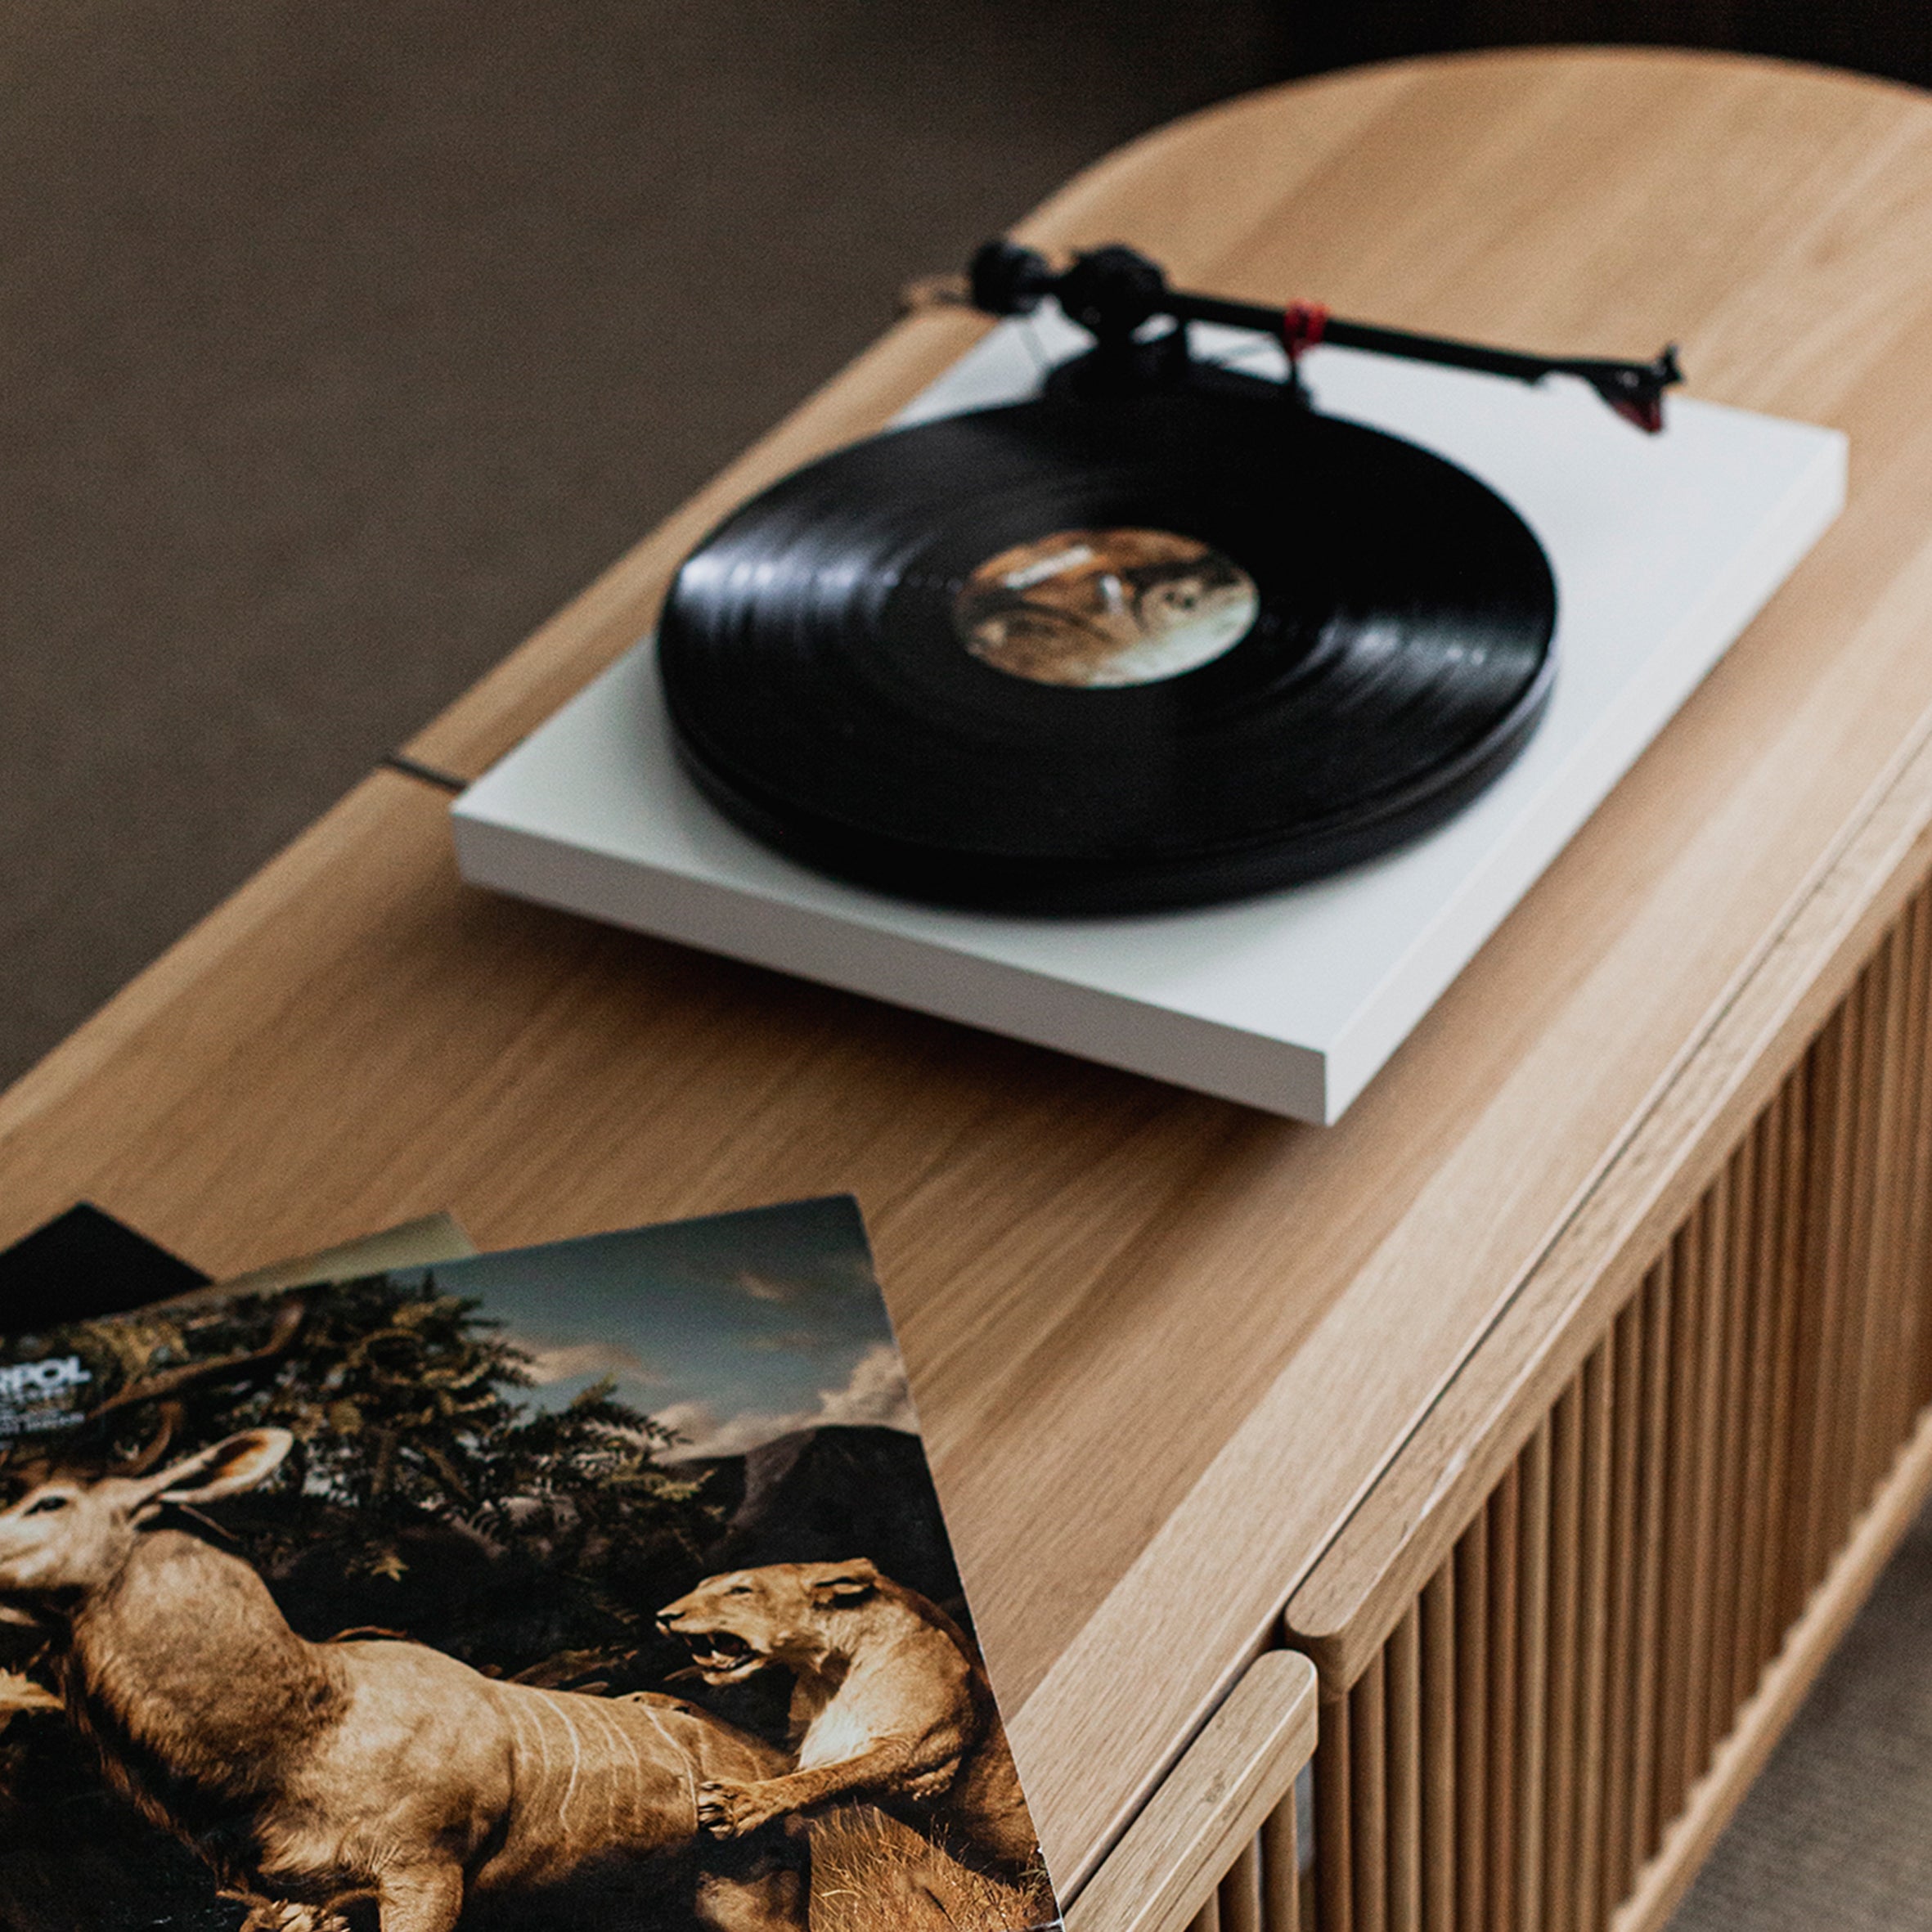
[[730, 1330]]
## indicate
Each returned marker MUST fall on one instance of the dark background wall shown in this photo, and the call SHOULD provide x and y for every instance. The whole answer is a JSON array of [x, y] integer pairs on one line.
[[338, 344], [1892, 38]]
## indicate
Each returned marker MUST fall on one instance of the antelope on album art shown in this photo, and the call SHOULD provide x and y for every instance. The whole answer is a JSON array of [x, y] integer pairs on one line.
[[600, 1584]]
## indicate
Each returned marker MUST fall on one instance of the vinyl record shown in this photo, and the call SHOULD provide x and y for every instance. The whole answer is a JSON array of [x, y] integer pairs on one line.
[[1107, 656]]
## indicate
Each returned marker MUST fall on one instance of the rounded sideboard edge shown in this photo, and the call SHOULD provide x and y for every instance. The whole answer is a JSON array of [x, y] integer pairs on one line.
[[1219, 1842]]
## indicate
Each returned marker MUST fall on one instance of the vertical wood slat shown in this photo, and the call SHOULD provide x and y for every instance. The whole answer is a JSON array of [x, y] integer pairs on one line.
[[1439, 1791], [1740, 1208], [1562, 1667], [1866, 1417], [1368, 1802], [1470, 1567], [1680, 1506], [1849, 1225], [1660, 1327], [1761, 1247], [1918, 1189], [1281, 1870], [1781, 1602], [1626, 1558], [1334, 1820], [1702, 1525], [1533, 1580], [1839, 1105], [1537, 1720], [1914, 1155], [1402, 1723], [1812, 1292], [1504, 1681], [1238, 1896], [1589, 1774], [1880, 1424], [1914, 1147]]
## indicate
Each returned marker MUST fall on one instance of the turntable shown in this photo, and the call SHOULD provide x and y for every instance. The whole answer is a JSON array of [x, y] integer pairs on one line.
[[1216, 764]]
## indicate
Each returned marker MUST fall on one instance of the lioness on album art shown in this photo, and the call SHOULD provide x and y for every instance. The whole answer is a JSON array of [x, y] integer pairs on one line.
[[601, 1584]]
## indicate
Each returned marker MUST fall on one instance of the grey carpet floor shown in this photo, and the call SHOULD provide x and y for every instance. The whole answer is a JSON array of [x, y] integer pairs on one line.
[[340, 344], [1836, 1834]]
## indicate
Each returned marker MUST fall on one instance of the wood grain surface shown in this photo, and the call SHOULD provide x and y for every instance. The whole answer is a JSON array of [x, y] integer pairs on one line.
[[1162, 1346]]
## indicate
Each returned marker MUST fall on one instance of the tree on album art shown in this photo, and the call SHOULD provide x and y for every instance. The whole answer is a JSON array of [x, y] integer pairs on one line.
[[422, 1495]]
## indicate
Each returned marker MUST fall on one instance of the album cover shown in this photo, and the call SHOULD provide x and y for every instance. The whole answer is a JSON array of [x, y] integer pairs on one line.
[[598, 1584]]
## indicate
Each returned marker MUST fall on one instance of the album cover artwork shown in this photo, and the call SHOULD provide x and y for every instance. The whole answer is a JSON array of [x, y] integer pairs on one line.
[[601, 1584]]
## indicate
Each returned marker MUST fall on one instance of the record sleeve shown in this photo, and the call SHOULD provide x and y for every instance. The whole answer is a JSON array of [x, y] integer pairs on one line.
[[542, 1585]]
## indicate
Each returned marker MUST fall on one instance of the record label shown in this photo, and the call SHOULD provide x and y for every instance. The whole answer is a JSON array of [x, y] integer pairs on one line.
[[1105, 607]]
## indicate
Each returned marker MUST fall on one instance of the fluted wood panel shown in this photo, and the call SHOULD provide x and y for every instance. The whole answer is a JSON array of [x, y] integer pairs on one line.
[[1523, 1742]]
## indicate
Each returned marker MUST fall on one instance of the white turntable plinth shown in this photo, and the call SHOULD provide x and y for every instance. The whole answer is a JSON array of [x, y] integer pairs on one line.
[[1664, 548]]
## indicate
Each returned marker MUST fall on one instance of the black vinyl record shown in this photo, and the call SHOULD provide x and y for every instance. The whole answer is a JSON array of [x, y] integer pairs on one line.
[[1109, 655]]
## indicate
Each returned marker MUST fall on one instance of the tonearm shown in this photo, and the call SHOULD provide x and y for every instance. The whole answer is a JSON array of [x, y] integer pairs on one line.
[[1114, 292]]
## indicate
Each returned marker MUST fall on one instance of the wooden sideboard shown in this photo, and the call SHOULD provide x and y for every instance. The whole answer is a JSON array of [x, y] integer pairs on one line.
[[1482, 1388]]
